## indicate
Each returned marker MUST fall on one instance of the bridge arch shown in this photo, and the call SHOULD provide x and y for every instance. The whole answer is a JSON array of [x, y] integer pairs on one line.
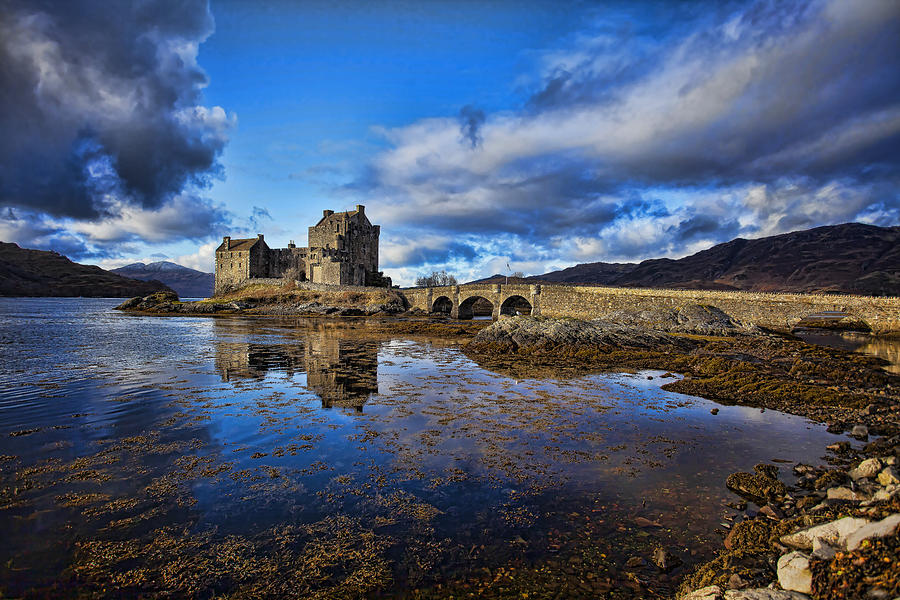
[[475, 306], [837, 319], [442, 305], [516, 305]]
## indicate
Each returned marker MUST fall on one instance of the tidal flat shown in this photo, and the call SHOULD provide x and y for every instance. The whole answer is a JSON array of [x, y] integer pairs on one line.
[[321, 458]]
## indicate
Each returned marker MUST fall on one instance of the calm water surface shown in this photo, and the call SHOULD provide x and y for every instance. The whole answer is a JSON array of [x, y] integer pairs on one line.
[[249, 457], [856, 341]]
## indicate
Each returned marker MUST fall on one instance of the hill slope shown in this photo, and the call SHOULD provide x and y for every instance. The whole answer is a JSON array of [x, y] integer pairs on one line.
[[26, 272], [850, 258], [188, 283]]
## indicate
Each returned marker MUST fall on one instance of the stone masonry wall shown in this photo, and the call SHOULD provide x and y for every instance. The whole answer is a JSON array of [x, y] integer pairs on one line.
[[777, 311]]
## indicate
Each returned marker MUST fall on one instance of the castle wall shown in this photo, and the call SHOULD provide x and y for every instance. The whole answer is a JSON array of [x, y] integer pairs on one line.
[[282, 260], [259, 261], [232, 268]]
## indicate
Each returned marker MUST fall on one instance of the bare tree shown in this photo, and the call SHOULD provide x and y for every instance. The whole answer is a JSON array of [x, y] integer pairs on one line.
[[436, 279], [517, 275]]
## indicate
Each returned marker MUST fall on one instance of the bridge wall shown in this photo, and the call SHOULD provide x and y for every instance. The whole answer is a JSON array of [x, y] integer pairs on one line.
[[776, 311]]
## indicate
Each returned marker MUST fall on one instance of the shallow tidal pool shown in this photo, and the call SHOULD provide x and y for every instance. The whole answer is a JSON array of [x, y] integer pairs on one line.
[[241, 457]]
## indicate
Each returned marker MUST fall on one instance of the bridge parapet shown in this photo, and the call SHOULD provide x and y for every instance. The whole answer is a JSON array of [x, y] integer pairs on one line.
[[772, 310]]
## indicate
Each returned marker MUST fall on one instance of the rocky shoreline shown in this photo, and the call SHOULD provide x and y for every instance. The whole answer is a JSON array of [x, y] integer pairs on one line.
[[285, 303], [832, 534]]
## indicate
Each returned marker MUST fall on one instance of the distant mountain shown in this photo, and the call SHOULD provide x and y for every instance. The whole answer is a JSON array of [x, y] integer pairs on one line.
[[850, 258], [188, 283], [26, 272]]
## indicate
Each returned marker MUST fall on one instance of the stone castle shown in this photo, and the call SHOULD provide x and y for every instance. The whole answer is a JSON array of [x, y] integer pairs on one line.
[[343, 250]]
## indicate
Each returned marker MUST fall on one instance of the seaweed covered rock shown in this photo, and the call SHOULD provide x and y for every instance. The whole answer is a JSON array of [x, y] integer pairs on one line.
[[549, 333], [756, 487], [152, 302], [700, 319]]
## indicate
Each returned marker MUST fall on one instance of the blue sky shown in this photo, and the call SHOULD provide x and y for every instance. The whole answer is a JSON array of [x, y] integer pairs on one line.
[[478, 134]]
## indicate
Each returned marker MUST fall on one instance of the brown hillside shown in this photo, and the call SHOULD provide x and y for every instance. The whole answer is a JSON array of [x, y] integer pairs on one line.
[[26, 272], [851, 258]]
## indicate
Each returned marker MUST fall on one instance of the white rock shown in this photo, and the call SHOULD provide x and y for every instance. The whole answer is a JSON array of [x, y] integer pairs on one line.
[[833, 533], [842, 493], [821, 550], [764, 594], [859, 431], [867, 468], [881, 528], [794, 573], [882, 495], [890, 460], [710, 592], [888, 477]]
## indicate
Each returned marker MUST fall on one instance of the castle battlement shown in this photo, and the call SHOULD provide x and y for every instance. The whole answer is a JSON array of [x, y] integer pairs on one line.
[[343, 250]]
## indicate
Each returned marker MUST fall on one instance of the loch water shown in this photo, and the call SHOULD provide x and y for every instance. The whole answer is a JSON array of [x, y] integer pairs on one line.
[[253, 457]]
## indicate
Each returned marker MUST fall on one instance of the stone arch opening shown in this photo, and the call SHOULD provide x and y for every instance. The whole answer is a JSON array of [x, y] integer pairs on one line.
[[442, 305], [515, 305], [832, 320], [476, 307]]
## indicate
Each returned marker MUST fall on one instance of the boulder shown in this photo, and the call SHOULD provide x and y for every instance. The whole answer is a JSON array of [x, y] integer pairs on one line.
[[834, 533], [665, 560], [888, 477], [132, 303], [764, 594], [736, 582], [794, 574], [822, 550], [160, 297], [860, 432], [756, 487], [710, 592], [770, 471], [886, 494], [842, 493], [867, 468], [882, 528]]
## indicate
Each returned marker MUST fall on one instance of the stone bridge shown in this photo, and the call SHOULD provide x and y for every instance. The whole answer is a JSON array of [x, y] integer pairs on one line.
[[774, 311]]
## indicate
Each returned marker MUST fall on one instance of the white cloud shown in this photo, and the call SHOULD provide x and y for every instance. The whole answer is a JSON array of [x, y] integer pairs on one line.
[[182, 217], [767, 123]]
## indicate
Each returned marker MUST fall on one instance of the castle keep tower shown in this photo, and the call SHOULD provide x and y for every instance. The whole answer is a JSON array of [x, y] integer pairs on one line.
[[343, 250]]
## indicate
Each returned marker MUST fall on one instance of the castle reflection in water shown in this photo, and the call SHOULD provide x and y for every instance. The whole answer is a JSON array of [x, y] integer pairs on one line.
[[342, 372]]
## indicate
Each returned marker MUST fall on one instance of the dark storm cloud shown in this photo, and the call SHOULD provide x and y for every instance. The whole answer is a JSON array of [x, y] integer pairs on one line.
[[470, 120], [633, 205], [101, 100], [704, 227], [569, 201]]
